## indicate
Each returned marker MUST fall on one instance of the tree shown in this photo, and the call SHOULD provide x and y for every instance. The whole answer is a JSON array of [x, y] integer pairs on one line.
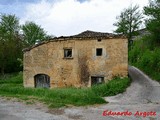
[[153, 23], [33, 33], [129, 21], [10, 43]]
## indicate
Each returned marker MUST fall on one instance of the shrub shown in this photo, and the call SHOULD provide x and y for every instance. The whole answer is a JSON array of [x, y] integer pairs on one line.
[[146, 56], [111, 88]]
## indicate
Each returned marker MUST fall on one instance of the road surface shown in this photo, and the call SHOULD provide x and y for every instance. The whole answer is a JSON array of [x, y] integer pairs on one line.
[[141, 101]]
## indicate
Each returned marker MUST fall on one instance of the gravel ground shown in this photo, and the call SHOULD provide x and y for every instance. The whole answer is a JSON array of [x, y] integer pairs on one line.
[[143, 96]]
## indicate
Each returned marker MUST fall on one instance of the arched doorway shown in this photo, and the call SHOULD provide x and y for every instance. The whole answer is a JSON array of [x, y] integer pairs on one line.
[[42, 81]]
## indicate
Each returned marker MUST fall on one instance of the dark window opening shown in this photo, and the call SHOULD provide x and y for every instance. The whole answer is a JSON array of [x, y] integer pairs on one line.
[[97, 80], [42, 81], [67, 53], [99, 40], [99, 51]]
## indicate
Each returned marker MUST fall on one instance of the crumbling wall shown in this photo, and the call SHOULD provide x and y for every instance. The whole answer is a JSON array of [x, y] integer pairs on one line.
[[49, 59]]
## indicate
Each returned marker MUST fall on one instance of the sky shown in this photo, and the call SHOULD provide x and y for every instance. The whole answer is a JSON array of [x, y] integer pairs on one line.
[[69, 17]]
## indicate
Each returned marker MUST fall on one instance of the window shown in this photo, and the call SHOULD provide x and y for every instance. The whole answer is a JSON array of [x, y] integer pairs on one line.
[[99, 51], [67, 53], [97, 80]]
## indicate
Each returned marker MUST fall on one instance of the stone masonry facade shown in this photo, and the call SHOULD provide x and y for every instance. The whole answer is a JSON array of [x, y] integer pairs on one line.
[[80, 60]]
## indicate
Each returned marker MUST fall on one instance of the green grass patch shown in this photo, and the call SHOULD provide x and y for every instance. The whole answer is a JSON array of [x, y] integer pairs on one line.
[[13, 87], [111, 88]]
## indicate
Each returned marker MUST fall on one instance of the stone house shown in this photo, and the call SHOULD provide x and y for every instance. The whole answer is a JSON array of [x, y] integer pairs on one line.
[[81, 60]]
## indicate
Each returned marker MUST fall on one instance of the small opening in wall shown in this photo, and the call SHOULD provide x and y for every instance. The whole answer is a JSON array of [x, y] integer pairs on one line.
[[99, 40], [99, 51], [97, 80], [67, 53]]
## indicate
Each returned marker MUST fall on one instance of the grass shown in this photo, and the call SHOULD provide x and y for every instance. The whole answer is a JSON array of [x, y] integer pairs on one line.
[[13, 87], [113, 87]]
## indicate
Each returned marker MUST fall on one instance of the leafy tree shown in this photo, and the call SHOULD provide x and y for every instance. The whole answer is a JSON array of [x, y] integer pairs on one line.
[[10, 43], [153, 23], [129, 21], [33, 33]]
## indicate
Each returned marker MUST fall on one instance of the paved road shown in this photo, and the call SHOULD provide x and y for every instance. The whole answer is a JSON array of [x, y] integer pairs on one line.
[[142, 90], [143, 96]]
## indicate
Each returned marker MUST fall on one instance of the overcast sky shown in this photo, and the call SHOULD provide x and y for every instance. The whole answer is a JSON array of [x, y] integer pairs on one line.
[[69, 17]]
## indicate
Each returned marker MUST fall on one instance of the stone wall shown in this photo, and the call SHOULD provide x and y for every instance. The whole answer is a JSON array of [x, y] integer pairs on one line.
[[48, 58]]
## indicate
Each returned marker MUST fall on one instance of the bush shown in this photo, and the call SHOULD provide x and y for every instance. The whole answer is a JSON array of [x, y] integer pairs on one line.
[[146, 57], [111, 88]]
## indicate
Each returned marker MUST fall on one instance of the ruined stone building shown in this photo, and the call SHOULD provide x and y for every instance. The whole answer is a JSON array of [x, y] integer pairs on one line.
[[81, 60]]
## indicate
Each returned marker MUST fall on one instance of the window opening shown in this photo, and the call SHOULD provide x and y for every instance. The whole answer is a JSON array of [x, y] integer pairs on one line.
[[99, 51], [67, 53]]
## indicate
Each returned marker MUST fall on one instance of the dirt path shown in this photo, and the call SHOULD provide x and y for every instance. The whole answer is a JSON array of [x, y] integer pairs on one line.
[[143, 96]]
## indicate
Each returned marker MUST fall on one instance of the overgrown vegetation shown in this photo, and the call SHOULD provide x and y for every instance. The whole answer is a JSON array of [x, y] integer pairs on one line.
[[15, 37], [12, 86], [145, 53], [153, 21], [113, 87], [146, 56]]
